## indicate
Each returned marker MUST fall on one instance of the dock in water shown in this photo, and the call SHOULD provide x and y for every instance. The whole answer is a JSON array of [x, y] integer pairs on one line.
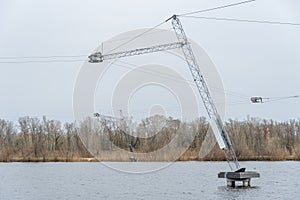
[[244, 177]]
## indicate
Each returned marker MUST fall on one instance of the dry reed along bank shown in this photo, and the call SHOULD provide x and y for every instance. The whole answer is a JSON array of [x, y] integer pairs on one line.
[[43, 140]]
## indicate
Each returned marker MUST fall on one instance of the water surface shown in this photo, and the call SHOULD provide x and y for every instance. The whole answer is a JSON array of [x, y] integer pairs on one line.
[[181, 180]]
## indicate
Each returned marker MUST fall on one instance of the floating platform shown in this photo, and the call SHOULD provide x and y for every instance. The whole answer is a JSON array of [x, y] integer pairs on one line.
[[244, 177]]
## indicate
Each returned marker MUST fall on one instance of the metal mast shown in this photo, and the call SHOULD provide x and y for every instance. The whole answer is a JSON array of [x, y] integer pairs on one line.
[[216, 121]]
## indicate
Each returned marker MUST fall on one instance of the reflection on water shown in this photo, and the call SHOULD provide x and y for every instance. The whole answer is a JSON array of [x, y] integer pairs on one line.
[[238, 193]]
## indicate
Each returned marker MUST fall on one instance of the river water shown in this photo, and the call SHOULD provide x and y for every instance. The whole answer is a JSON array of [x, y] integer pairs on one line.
[[180, 180]]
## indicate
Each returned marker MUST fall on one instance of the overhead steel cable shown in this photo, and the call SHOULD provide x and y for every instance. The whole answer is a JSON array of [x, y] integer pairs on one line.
[[270, 99], [135, 37], [41, 57], [75, 56], [244, 20], [40, 61], [216, 8], [130, 37], [184, 81]]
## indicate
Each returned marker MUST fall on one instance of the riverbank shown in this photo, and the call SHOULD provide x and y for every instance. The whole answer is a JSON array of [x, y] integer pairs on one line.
[[44, 140], [181, 159]]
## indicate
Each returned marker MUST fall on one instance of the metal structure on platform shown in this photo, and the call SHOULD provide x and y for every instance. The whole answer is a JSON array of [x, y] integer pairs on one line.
[[237, 173]]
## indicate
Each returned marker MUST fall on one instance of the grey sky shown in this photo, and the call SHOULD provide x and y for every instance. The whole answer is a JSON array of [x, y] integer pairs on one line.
[[252, 59]]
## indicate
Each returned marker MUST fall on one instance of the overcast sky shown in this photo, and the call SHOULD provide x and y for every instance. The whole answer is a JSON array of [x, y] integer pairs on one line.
[[252, 59]]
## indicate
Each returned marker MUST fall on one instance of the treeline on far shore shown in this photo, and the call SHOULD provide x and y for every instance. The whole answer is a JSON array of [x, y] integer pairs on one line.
[[41, 140]]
